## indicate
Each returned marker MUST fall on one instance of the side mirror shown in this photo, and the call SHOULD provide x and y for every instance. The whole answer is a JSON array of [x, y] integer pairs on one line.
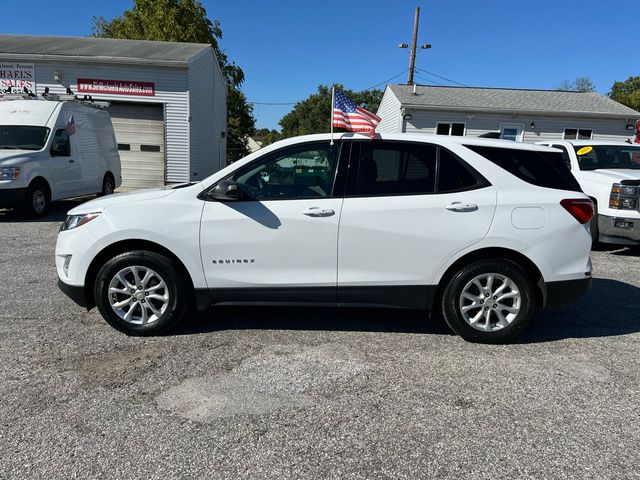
[[225, 190]]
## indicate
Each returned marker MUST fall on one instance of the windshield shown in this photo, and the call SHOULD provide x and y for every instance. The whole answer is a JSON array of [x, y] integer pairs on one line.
[[22, 137], [608, 156]]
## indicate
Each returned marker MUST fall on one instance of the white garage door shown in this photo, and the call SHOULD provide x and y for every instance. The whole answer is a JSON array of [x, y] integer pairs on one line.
[[139, 132]]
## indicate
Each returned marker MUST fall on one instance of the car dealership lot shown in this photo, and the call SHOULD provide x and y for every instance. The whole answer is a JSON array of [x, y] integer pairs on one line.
[[311, 393]]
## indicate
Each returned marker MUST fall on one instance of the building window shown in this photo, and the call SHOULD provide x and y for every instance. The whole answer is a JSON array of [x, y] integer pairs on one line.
[[577, 134], [124, 146], [454, 129], [149, 148]]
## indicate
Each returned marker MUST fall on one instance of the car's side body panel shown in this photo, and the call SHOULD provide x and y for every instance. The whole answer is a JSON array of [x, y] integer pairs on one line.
[[386, 250]]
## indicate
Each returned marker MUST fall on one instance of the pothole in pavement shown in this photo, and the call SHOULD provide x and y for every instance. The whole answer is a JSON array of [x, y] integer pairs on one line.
[[279, 377]]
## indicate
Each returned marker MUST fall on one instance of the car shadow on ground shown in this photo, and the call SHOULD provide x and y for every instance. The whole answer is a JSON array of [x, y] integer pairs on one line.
[[610, 308], [56, 212], [312, 318]]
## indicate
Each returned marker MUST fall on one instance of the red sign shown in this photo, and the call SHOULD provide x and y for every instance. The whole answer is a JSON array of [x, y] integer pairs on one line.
[[117, 87]]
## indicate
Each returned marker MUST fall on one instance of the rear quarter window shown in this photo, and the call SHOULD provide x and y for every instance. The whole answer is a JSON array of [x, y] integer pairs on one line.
[[543, 169]]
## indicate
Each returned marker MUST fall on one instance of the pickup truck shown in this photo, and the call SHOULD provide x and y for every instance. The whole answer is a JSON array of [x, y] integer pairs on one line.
[[609, 172]]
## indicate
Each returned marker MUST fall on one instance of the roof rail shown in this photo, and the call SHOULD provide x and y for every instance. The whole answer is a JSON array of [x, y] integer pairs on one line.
[[85, 99]]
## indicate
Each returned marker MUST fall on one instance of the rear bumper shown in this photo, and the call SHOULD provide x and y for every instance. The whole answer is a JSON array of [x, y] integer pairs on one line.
[[565, 292], [75, 293], [11, 196], [619, 230]]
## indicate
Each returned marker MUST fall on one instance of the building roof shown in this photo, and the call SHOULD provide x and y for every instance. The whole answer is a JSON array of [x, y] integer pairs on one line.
[[510, 100], [33, 47]]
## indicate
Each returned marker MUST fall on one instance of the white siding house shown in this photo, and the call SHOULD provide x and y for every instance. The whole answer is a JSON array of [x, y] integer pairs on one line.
[[520, 115], [168, 99]]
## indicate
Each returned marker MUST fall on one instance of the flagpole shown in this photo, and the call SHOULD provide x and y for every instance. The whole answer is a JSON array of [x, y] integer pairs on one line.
[[333, 94]]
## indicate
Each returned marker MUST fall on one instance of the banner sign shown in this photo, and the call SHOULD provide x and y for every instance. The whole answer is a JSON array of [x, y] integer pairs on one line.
[[117, 87], [17, 76]]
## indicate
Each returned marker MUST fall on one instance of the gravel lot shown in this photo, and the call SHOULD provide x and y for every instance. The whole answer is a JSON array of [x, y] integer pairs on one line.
[[321, 393]]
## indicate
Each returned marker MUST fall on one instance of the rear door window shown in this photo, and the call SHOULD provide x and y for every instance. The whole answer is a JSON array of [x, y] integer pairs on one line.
[[455, 175], [543, 169], [394, 168]]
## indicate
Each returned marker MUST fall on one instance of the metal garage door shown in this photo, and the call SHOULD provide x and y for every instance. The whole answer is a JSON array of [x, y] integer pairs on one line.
[[139, 132]]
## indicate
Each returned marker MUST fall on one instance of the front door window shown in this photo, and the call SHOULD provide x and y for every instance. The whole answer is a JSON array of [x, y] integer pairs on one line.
[[304, 171]]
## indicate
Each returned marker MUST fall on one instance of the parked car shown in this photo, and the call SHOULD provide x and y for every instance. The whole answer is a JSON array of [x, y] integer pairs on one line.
[[54, 149], [480, 230], [609, 172]]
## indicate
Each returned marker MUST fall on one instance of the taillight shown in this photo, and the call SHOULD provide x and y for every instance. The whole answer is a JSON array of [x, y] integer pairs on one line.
[[580, 208]]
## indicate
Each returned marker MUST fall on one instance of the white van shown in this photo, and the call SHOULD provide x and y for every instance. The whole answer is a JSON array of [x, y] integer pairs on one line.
[[52, 149]]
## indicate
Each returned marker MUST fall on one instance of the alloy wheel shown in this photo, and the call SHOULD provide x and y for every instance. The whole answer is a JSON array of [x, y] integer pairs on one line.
[[490, 302], [138, 295]]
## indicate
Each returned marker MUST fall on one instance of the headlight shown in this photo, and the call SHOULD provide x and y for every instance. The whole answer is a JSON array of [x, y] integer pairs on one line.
[[9, 173], [624, 197], [75, 221]]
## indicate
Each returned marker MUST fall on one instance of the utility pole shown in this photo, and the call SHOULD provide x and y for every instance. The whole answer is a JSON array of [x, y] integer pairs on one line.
[[414, 44], [412, 61]]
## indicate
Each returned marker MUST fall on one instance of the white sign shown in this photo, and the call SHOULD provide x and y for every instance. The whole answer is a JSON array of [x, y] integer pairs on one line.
[[17, 76]]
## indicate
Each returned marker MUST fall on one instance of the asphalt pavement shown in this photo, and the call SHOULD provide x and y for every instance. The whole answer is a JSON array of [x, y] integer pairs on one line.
[[266, 393]]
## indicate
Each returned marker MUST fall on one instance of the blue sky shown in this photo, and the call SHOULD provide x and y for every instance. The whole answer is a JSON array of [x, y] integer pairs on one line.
[[287, 48]]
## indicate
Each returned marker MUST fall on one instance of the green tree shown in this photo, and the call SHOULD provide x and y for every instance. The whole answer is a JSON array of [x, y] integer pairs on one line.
[[313, 115], [580, 84], [266, 136], [186, 21], [627, 92]]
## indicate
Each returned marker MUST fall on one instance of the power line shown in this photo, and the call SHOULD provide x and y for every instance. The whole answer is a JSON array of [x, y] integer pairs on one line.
[[272, 103], [388, 80], [430, 81], [443, 78], [293, 103]]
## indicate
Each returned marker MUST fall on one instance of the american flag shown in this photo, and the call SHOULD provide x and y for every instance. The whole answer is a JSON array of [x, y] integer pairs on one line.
[[347, 114], [71, 126]]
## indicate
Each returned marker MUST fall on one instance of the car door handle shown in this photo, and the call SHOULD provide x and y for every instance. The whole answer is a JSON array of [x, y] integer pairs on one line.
[[318, 212], [461, 207]]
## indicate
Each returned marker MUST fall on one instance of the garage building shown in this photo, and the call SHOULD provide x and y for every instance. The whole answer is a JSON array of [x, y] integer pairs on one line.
[[507, 113], [168, 100]]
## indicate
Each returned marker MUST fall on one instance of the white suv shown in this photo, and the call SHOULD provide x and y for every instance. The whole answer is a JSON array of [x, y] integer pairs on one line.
[[480, 230]]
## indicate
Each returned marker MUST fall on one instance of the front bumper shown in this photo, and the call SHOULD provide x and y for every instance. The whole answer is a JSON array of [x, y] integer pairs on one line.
[[11, 196], [75, 293], [565, 292], [619, 230]]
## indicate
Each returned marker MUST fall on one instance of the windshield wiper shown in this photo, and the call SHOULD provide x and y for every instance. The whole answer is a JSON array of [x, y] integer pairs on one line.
[[9, 147]]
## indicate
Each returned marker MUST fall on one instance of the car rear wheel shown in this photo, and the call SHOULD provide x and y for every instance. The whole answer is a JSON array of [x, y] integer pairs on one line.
[[141, 293], [489, 301], [108, 185]]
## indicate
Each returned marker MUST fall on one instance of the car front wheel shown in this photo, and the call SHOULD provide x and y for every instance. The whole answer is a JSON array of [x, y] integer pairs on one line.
[[489, 301], [141, 293], [36, 200]]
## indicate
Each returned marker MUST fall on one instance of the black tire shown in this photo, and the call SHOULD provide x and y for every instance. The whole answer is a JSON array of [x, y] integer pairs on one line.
[[179, 296], [452, 298], [108, 185], [37, 199]]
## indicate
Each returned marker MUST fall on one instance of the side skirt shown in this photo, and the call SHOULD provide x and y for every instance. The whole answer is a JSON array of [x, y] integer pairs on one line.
[[397, 296]]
